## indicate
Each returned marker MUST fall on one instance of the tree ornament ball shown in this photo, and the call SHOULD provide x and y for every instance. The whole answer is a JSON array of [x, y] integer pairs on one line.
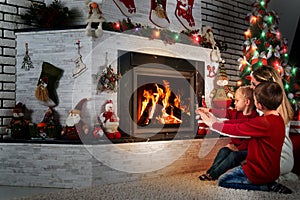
[[290, 95]]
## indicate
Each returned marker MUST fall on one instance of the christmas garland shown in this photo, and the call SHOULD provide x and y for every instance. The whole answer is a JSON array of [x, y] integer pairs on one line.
[[190, 37]]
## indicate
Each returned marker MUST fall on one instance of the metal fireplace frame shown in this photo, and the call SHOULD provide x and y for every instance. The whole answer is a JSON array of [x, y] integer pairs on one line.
[[135, 63]]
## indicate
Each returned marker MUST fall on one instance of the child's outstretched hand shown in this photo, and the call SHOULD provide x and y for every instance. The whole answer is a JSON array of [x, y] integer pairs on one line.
[[201, 109], [208, 118]]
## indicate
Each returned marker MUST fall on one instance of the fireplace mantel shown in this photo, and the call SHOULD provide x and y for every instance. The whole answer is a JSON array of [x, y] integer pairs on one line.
[[59, 48]]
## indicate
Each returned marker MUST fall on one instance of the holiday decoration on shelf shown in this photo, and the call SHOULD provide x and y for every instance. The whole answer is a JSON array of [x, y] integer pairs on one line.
[[107, 80], [27, 63], [265, 46], [19, 126], [222, 94], [98, 129], [80, 66], [158, 13], [110, 121], [50, 126], [47, 84], [127, 7], [208, 36], [75, 127], [184, 13], [48, 16], [95, 16], [190, 37], [211, 71]]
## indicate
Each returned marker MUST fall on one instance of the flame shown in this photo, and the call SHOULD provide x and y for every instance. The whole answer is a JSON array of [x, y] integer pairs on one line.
[[162, 95]]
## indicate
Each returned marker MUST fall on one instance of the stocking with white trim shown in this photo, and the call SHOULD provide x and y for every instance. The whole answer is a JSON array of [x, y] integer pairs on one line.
[[127, 7], [184, 13], [158, 14]]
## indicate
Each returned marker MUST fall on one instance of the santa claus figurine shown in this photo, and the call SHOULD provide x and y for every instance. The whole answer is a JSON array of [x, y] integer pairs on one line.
[[110, 121], [75, 127]]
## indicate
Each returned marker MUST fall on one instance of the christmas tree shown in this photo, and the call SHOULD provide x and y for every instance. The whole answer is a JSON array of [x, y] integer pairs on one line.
[[265, 46]]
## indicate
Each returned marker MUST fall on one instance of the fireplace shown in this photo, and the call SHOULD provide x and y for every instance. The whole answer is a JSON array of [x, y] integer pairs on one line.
[[158, 95]]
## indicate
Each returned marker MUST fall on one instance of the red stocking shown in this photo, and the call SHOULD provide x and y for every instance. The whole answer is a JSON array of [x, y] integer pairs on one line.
[[127, 7], [158, 14], [184, 14]]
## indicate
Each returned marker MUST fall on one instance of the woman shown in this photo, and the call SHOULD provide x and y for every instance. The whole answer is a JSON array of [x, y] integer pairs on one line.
[[269, 74]]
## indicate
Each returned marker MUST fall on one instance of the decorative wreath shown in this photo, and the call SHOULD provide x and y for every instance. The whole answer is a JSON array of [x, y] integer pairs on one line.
[[108, 80]]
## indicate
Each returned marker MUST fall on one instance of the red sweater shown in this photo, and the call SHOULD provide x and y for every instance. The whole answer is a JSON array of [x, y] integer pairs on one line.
[[267, 135], [241, 144]]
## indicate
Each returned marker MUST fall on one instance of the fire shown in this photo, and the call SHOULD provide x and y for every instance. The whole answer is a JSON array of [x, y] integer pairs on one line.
[[171, 109]]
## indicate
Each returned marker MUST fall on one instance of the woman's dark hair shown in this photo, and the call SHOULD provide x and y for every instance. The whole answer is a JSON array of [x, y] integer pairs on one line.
[[269, 95]]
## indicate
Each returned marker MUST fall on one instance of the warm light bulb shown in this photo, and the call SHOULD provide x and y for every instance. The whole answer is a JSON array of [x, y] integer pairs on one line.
[[253, 19], [117, 25], [253, 48], [239, 83], [157, 34], [247, 33]]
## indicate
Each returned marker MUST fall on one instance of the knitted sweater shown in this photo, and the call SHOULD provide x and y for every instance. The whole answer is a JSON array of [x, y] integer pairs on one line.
[[267, 136]]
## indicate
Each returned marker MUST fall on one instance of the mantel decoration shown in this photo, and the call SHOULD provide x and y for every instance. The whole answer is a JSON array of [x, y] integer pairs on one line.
[[27, 63], [47, 16], [107, 80], [190, 37]]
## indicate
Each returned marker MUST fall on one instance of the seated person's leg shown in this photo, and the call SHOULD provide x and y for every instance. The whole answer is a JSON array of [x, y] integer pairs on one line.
[[220, 157], [233, 159], [237, 179]]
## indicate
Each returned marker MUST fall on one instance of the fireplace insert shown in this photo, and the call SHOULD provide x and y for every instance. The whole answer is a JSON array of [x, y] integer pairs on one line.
[[158, 95]]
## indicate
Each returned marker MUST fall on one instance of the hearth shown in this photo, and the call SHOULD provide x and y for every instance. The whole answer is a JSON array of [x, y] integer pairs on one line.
[[158, 95]]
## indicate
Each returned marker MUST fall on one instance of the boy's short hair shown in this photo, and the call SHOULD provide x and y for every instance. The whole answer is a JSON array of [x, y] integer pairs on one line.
[[247, 93], [269, 95]]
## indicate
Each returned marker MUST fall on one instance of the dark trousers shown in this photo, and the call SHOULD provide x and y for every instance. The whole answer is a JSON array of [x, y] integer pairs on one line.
[[226, 159]]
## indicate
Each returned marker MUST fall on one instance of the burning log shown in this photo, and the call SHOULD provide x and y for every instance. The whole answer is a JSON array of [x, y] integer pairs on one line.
[[174, 111]]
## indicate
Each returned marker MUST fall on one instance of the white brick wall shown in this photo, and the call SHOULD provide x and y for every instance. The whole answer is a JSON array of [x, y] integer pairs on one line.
[[73, 166], [225, 17], [58, 48]]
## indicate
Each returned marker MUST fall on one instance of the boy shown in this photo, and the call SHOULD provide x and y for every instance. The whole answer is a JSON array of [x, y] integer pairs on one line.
[[236, 151], [267, 134]]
